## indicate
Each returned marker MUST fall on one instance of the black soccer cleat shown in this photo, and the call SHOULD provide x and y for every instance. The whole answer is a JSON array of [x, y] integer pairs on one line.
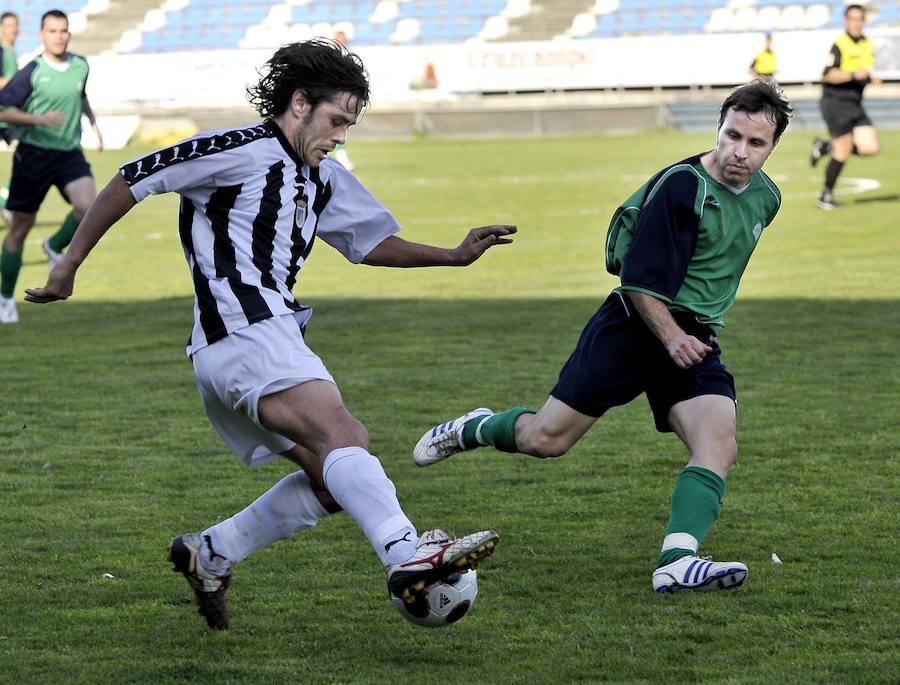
[[820, 148], [209, 589], [826, 201]]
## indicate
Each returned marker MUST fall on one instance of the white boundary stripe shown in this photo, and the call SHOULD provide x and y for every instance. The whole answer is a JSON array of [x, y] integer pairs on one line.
[[847, 186]]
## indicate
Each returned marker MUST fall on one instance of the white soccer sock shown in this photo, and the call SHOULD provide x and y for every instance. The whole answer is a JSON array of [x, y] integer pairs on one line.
[[289, 507], [359, 484]]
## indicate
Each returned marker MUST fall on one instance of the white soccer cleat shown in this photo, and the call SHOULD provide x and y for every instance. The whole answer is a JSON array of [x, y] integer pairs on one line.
[[438, 556], [702, 575], [8, 311], [53, 256], [445, 440]]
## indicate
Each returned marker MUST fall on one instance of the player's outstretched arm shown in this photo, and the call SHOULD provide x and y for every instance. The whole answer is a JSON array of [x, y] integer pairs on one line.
[[111, 204], [397, 252], [15, 116]]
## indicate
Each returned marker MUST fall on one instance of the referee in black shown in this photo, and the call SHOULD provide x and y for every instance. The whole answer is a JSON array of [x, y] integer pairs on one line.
[[847, 72]]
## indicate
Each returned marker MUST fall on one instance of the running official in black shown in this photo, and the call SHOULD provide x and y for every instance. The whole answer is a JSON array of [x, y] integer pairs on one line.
[[847, 73]]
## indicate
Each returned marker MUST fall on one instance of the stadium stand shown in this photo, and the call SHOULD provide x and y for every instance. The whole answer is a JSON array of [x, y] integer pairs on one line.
[[152, 26], [615, 18]]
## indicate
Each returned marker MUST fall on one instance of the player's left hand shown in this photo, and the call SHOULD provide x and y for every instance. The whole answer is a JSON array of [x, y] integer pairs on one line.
[[480, 239], [59, 286], [99, 137]]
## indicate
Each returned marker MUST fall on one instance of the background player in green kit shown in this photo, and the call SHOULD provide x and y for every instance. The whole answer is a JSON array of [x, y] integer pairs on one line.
[[680, 244], [45, 101], [9, 31]]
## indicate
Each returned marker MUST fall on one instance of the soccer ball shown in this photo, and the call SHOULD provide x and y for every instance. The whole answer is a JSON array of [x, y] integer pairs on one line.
[[446, 601]]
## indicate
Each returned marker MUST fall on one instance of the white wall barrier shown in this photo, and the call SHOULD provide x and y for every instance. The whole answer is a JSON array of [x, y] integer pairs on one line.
[[214, 80]]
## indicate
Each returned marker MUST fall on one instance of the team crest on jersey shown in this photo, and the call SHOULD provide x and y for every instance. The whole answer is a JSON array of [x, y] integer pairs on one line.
[[757, 231], [300, 212]]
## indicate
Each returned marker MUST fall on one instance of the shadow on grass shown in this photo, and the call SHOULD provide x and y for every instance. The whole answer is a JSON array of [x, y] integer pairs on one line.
[[877, 198], [398, 344]]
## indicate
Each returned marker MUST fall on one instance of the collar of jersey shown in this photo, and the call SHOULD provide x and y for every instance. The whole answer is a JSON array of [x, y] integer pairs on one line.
[[279, 134]]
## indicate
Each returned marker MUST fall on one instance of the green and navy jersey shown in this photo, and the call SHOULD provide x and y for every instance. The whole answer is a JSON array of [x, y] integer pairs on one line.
[[692, 237], [40, 88], [8, 67], [8, 62]]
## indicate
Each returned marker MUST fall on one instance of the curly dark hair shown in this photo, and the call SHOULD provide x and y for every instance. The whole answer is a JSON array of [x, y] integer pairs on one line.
[[760, 95], [319, 68]]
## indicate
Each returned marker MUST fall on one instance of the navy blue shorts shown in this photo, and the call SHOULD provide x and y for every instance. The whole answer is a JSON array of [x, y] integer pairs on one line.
[[35, 169], [8, 134], [618, 357]]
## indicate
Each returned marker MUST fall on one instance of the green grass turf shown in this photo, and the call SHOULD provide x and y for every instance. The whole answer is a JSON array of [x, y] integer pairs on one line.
[[106, 453]]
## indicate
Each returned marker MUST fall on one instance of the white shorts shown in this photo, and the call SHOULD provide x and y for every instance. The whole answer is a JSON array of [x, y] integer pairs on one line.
[[232, 374]]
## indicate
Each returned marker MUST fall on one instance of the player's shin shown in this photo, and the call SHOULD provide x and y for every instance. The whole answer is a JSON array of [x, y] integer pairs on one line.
[[60, 240], [696, 504], [10, 265], [358, 483], [286, 509]]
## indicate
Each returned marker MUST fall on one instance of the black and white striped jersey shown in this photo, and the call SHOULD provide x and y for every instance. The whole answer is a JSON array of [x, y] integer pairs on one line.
[[250, 212]]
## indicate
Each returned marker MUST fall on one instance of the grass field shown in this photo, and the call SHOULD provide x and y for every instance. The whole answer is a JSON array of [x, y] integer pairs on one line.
[[106, 453]]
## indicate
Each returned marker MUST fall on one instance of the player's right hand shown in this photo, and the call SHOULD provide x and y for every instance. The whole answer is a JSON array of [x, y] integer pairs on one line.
[[686, 351], [52, 119], [59, 286]]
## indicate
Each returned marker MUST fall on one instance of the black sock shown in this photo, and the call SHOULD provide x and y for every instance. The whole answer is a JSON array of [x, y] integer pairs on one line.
[[832, 172]]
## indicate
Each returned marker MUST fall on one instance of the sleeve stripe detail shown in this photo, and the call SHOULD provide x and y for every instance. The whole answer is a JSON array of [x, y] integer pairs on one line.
[[652, 293], [669, 172], [193, 148]]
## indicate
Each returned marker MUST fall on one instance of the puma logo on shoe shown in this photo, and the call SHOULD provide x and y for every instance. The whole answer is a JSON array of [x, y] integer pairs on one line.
[[405, 538]]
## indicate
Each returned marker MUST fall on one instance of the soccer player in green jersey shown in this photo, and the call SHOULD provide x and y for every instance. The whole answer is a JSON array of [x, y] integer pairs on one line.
[[680, 244], [9, 31], [45, 101]]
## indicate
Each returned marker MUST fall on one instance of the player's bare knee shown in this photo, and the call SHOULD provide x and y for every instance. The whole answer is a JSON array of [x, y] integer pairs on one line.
[[729, 451], [868, 150], [545, 445], [352, 432]]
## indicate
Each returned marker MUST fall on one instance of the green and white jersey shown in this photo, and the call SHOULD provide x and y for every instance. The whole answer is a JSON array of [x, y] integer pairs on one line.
[[42, 87], [8, 62], [685, 238], [8, 68]]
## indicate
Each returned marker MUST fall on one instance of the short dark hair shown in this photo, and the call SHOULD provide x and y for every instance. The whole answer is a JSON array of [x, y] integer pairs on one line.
[[56, 14], [319, 68], [7, 15], [852, 7], [760, 95]]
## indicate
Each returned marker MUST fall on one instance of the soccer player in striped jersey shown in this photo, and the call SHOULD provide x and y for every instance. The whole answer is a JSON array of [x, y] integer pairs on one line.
[[680, 243], [253, 202]]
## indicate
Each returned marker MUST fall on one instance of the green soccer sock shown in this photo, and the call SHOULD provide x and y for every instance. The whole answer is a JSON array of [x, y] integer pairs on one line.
[[696, 504], [498, 430], [60, 240], [10, 264]]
